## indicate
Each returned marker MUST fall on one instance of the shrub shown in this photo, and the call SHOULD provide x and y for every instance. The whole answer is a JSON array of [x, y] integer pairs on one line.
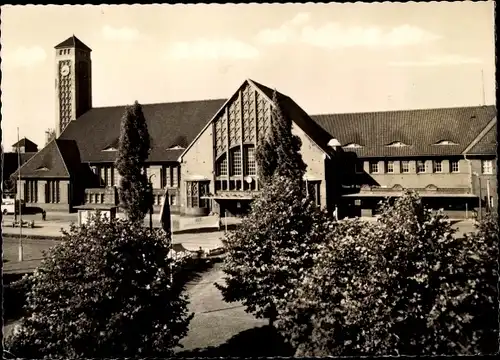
[[104, 291], [404, 285]]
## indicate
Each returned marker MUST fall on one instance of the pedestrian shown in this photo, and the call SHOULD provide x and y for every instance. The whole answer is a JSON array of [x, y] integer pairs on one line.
[[44, 215]]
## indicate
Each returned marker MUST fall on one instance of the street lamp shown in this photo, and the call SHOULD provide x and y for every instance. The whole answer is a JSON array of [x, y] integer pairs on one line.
[[151, 207]]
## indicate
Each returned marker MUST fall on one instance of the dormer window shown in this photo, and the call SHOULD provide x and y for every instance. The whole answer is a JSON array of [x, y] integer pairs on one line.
[[445, 142], [397, 144], [352, 146], [176, 147], [110, 148]]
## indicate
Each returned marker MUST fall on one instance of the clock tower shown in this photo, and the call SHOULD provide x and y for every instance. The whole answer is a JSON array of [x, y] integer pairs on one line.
[[73, 81]]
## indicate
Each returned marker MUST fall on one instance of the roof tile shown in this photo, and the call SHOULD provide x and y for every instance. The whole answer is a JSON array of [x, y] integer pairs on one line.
[[168, 124], [419, 129]]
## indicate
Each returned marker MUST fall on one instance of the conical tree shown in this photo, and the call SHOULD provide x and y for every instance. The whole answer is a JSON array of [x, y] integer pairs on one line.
[[135, 192], [279, 152]]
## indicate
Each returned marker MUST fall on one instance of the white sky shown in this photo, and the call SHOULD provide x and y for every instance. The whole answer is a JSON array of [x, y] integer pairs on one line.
[[327, 57]]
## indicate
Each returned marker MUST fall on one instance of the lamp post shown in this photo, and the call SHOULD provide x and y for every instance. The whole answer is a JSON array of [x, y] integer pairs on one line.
[[21, 257], [480, 195], [151, 207]]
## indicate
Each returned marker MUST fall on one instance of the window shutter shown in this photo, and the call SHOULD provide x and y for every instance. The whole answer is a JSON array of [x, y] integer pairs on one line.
[[47, 195]]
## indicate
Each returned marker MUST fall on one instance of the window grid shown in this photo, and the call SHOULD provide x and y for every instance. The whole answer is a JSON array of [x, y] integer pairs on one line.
[[420, 166], [437, 166], [390, 167], [454, 166], [373, 167], [236, 162], [405, 166], [487, 167], [222, 167], [250, 161]]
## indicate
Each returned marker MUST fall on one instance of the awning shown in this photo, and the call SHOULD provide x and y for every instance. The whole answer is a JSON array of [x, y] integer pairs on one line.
[[384, 194]]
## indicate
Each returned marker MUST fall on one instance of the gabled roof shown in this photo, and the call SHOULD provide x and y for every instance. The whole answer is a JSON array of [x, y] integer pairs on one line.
[[73, 42], [99, 128], [419, 129], [56, 160], [289, 108], [25, 142]]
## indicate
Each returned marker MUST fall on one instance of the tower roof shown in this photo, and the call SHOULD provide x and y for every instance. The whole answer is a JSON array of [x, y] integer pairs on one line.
[[74, 42]]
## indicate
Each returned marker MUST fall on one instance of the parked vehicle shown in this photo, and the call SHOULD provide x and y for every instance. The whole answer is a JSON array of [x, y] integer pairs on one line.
[[11, 206], [8, 206]]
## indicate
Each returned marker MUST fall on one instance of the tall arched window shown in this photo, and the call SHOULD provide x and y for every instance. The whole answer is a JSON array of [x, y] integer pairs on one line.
[[221, 166], [250, 167], [236, 167]]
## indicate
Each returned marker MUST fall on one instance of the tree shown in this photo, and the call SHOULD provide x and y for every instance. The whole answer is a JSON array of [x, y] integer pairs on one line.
[[103, 293], [134, 146], [404, 285], [279, 152], [51, 135], [273, 245]]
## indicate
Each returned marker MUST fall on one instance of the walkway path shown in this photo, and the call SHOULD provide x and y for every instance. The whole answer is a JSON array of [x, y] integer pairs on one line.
[[215, 321]]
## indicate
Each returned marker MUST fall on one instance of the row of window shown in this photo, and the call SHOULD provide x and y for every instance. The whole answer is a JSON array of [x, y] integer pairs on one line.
[[197, 190], [99, 198], [437, 166], [236, 163], [52, 192], [109, 176]]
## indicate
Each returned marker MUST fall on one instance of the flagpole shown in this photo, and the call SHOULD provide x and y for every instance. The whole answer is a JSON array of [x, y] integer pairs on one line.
[[20, 210], [165, 220]]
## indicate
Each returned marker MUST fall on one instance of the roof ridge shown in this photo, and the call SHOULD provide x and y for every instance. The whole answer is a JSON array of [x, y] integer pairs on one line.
[[407, 110], [158, 103]]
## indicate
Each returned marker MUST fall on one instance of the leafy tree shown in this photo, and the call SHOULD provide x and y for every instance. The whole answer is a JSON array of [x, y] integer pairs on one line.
[[135, 192], [273, 245], [404, 285], [279, 152], [103, 293]]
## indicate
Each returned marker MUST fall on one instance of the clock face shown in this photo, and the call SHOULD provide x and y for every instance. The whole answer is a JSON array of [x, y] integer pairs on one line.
[[65, 70]]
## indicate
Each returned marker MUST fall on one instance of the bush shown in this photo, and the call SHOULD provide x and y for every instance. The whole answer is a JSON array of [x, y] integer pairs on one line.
[[104, 291], [404, 285], [268, 252]]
